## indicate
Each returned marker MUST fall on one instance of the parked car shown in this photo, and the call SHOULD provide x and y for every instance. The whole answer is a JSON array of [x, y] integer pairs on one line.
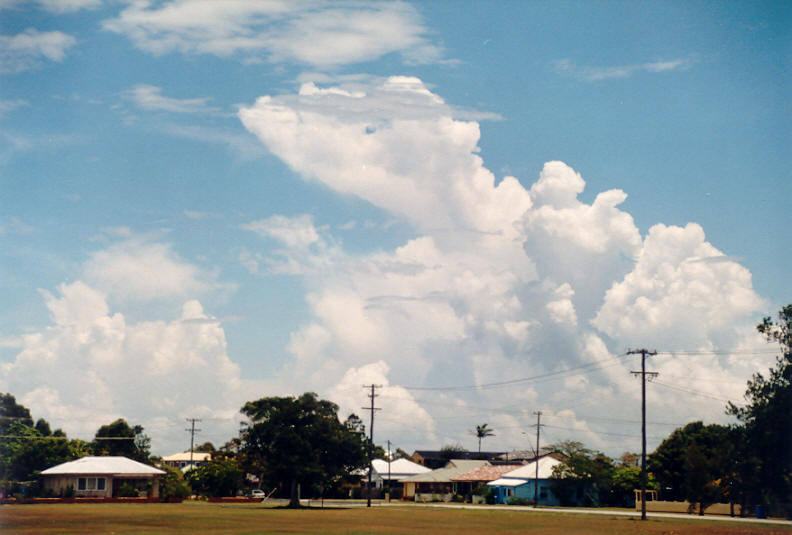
[[257, 493]]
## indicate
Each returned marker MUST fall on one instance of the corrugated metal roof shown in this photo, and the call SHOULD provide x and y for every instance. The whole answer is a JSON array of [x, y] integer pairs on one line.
[[399, 469], [454, 468], [486, 473], [528, 471], [185, 457], [103, 465]]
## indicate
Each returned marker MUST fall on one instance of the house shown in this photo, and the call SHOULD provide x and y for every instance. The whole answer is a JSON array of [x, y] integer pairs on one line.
[[439, 458], [438, 485], [102, 477], [392, 474], [187, 460], [522, 482], [467, 482]]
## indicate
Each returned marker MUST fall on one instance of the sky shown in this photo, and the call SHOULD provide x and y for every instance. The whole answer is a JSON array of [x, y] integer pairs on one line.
[[480, 207]]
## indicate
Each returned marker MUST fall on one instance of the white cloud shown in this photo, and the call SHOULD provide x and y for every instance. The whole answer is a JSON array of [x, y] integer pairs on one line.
[[395, 403], [27, 50], [10, 105], [92, 365], [671, 297], [149, 97], [399, 133], [323, 34], [594, 74], [139, 270], [501, 282], [55, 6]]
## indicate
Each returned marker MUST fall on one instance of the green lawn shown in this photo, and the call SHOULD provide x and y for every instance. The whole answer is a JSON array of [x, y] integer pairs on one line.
[[199, 518]]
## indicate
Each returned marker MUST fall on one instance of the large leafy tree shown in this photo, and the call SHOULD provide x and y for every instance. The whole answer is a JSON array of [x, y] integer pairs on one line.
[[12, 412], [585, 474], [767, 417], [216, 478], [300, 441], [27, 448], [674, 466], [121, 439]]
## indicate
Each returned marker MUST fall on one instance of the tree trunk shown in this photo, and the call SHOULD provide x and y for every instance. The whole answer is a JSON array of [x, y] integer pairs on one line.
[[294, 501]]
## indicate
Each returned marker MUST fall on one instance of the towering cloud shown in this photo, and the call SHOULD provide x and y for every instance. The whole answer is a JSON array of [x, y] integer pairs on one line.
[[500, 282]]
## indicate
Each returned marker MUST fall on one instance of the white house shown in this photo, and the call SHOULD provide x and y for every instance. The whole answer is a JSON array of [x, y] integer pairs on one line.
[[101, 477], [394, 472], [186, 460]]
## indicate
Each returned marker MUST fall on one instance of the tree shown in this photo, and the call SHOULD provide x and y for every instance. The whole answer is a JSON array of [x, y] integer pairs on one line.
[[767, 417], [482, 431], [452, 451], [300, 441], [11, 411], [172, 485], [668, 461], [121, 439], [626, 479], [206, 447], [216, 478], [27, 448], [700, 488], [585, 473]]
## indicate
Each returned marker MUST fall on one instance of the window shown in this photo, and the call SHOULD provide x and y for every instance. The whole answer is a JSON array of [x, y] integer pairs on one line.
[[543, 493], [90, 483]]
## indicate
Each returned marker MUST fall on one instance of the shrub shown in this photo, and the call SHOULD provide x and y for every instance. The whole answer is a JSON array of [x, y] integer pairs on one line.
[[127, 491], [489, 496]]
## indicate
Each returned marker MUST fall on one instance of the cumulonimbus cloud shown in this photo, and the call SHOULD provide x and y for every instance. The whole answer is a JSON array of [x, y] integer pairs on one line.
[[501, 281]]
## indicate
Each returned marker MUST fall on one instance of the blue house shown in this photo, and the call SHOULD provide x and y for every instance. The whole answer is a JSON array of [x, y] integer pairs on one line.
[[520, 483]]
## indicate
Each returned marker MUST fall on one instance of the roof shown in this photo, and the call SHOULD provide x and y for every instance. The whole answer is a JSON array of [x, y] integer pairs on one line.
[[486, 473], [503, 482], [399, 469], [197, 456], [116, 466], [455, 467], [528, 471], [440, 454]]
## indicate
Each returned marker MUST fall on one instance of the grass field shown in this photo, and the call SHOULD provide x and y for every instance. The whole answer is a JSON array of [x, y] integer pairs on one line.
[[196, 518]]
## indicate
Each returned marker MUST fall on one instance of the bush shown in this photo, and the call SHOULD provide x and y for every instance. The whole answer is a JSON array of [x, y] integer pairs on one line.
[[489, 496], [127, 491], [68, 492], [173, 485]]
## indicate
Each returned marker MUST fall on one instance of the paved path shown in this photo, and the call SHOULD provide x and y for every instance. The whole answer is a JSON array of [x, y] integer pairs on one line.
[[527, 509]]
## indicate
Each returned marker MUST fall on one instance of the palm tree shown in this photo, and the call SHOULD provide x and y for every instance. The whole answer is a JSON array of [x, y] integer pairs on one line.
[[482, 431]]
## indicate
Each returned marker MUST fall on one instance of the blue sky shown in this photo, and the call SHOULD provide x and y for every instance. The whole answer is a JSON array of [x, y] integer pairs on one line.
[[203, 203]]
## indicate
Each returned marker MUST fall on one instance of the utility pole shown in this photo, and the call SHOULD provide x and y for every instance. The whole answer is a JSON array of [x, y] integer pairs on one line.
[[192, 431], [536, 461], [373, 394], [390, 457], [643, 373]]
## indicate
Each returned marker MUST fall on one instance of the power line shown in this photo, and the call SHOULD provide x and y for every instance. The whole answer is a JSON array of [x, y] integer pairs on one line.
[[590, 365], [690, 391]]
